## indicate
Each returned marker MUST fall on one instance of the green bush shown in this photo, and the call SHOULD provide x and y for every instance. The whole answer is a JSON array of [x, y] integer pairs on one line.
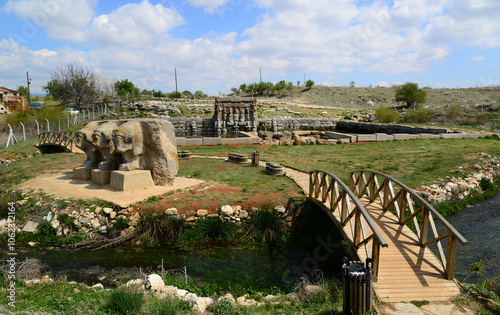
[[214, 228], [265, 226], [65, 219], [158, 228], [223, 307], [124, 301], [453, 112], [6, 198], [168, 305], [46, 229], [418, 115], [386, 114], [486, 184]]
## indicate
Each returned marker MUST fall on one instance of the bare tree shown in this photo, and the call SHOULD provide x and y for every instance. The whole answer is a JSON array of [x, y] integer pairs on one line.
[[75, 85]]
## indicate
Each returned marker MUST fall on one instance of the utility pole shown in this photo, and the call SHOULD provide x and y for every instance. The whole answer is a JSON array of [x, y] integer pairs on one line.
[[29, 82], [260, 69], [304, 78], [176, 81]]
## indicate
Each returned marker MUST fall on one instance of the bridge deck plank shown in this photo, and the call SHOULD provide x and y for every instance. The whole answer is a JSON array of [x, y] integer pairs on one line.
[[407, 271]]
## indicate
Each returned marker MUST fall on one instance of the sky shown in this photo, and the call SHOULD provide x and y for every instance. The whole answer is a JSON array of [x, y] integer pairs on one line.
[[219, 44]]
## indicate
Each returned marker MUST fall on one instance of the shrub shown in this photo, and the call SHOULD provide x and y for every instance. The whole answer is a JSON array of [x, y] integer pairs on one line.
[[266, 226], [223, 307], [125, 301], [158, 228], [418, 115], [386, 114], [453, 112], [214, 228], [65, 219], [486, 184], [6, 198], [46, 229], [168, 305]]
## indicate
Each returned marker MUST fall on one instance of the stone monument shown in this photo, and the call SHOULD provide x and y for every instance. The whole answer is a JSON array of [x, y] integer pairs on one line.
[[128, 154], [232, 114]]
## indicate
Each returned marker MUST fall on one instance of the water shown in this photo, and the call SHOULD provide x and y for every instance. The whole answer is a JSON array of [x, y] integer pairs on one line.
[[260, 267], [480, 225]]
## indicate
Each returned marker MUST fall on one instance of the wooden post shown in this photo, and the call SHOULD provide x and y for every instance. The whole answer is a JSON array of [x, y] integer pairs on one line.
[[375, 258], [311, 185], [451, 255], [357, 228], [387, 194], [424, 228], [402, 206]]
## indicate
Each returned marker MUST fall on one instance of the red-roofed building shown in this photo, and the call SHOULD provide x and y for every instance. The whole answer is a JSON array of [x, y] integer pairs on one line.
[[11, 100]]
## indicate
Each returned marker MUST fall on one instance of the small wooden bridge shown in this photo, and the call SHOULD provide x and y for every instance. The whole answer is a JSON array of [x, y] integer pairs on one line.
[[52, 142], [382, 219]]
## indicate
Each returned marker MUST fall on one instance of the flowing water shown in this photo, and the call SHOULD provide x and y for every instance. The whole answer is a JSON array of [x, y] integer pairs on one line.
[[260, 267], [480, 225]]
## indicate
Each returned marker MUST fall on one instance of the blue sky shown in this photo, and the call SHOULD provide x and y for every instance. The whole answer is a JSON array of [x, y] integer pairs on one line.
[[217, 44]]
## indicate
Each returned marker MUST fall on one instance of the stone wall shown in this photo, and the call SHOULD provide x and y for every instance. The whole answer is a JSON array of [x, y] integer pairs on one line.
[[186, 127], [289, 124], [363, 128]]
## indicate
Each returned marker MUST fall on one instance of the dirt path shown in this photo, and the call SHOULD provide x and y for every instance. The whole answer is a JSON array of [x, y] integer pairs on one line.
[[63, 185]]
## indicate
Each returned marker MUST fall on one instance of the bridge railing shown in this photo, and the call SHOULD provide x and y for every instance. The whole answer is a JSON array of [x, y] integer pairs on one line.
[[391, 193], [326, 189], [63, 139]]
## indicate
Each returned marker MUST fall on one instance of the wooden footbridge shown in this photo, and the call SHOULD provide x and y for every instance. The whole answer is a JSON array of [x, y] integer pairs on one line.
[[56, 141], [382, 219]]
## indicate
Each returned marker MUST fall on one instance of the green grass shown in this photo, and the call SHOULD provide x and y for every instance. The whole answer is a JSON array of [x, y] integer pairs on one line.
[[413, 162]]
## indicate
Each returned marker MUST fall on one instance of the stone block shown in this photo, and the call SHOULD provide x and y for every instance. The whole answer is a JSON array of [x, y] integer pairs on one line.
[[405, 136], [429, 136], [384, 137], [367, 138], [100, 177], [228, 141], [130, 180], [82, 173], [244, 140], [211, 141], [180, 140], [194, 141]]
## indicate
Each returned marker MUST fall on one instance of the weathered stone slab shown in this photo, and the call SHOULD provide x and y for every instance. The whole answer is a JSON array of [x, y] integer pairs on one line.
[[130, 180], [82, 173], [244, 140], [30, 227], [100, 177], [429, 136], [367, 138], [406, 136], [384, 137], [180, 140], [211, 141], [228, 141]]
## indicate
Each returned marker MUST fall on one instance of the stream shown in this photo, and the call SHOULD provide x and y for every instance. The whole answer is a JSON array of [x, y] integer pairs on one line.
[[480, 225], [261, 267]]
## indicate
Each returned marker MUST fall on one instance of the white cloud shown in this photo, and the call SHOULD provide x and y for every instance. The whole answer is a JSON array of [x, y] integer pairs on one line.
[[210, 6], [62, 19], [383, 84], [327, 83], [478, 58], [134, 24]]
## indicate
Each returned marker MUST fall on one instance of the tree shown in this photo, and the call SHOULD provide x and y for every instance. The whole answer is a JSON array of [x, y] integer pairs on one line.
[[243, 88], [352, 84], [235, 91], [411, 94], [126, 87], [74, 85], [309, 83], [23, 90]]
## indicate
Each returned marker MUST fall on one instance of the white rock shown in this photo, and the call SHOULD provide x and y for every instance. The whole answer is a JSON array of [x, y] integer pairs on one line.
[[201, 304], [171, 211], [190, 298], [226, 210], [97, 287], [270, 298], [50, 216], [55, 223], [243, 214], [30, 227], [137, 283], [228, 297], [241, 300], [181, 293], [280, 209], [154, 282], [112, 215], [309, 289], [201, 213], [237, 208], [107, 210]]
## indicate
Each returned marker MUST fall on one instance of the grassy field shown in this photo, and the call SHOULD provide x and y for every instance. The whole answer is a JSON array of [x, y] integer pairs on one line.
[[414, 162]]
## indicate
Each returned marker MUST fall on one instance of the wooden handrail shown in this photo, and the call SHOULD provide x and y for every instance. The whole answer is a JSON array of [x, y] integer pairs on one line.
[[64, 139], [331, 194], [403, 200]]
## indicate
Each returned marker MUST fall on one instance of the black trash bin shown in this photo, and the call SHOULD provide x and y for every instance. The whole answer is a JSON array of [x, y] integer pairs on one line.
[[255, 158], [356, 283]]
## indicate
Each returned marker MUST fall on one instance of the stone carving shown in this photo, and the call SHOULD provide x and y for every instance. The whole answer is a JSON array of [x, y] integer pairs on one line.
[[148, 144], [231, 114], [83, 140], [101, 138], [129, 145]]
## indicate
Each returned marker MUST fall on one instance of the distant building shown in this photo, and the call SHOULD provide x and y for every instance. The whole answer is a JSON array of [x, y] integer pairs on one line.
[[11, 100]]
